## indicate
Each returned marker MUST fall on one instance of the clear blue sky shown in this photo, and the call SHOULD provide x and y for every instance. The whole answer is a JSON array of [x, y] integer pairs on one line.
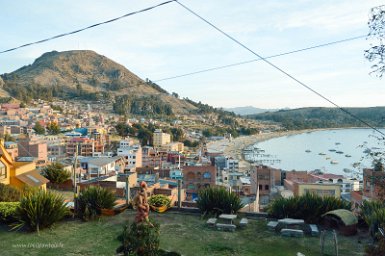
[[170, 41]]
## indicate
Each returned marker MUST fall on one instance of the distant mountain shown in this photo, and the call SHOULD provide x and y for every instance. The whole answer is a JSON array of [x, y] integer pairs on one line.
[[86, 75], [249, 110], [306, 118]]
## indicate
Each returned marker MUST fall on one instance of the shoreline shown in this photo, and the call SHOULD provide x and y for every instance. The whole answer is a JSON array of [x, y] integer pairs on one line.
[[234, 147]]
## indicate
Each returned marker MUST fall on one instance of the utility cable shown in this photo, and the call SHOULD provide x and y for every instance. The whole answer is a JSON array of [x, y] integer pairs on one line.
[[254, 60], [89, 27], [279, 69]]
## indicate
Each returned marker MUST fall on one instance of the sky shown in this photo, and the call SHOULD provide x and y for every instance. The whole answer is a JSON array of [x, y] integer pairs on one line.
[[169, 41]]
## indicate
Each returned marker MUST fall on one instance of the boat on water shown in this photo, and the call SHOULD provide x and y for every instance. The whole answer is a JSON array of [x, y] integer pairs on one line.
[[346, 170], [347, 155], [321, 154], [328, 157], [334, 162], [338, 143], [307, 150], [339, 152], [332, 150]]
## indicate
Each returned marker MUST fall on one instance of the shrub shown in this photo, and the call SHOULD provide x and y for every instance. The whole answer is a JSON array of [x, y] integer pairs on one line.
[[217, 200], [40, 209], [9, 193], [140, 239], [56, 173], [92, 200], [159, 200], [8, 211], [309, 207], [373, 213]]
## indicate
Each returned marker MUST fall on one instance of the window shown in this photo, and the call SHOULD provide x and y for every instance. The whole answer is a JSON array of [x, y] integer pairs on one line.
[[266, 187], [260, 187], [3, 171], [207, 175], [191, 186]]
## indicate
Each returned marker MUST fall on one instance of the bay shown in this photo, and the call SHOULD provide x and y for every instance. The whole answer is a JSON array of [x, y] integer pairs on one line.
[[331, 151]]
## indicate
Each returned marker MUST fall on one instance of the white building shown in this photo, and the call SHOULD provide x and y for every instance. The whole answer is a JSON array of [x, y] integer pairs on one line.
[[131, 153], [100, 166], [232, 164]]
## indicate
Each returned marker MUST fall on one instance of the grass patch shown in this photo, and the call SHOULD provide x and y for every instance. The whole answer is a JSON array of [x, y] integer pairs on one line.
[[186, 234]]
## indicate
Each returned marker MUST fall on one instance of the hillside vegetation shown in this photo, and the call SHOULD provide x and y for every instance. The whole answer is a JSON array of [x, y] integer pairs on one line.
[[308, 118], [84, 75]]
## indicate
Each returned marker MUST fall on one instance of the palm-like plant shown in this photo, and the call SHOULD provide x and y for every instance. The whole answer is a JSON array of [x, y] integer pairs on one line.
[[40, 209], [309, 207], [373, 213], [216, 200], [93, 199]]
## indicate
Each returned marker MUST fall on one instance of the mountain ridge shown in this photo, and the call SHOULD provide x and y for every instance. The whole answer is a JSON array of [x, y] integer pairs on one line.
[[318, 117], [83, 73]]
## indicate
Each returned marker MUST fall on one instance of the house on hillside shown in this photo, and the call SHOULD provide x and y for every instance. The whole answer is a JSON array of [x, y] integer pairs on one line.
[[101, 166], [19, 174]]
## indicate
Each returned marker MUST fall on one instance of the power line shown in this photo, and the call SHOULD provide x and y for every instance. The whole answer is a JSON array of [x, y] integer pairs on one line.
[[89, 27], [279, 69], [255, 60]]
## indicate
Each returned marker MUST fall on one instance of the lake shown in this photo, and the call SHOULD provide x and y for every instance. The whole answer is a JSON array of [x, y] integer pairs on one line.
[[340, 151]]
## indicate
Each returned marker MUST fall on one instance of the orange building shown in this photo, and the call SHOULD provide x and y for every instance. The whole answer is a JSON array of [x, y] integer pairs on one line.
[[19, 174]]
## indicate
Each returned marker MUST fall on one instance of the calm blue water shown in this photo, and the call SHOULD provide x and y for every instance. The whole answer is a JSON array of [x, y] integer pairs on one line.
[[290, 150]]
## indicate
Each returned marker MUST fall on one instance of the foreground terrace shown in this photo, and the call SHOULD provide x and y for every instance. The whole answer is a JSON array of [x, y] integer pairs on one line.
[[183, 233]]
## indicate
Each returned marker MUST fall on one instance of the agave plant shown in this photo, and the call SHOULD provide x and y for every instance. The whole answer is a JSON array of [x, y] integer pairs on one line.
[[309, 207], [40, 209], [92, 200], [216, 200]]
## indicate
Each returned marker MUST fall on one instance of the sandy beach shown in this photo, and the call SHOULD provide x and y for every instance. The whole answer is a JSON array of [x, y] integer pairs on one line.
[[234, 147]]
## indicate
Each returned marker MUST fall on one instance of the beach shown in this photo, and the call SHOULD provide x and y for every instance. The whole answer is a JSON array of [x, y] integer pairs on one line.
[[233, 148]]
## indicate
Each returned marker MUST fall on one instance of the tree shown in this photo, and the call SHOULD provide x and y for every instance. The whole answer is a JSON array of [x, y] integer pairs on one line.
[[53, 128], [8, 137], [376, 53], [378, 166], [55, 173], [177, 134], [38, 128]]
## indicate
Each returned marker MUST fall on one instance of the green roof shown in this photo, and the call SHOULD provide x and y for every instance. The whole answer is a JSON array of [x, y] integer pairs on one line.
[[347, 217]]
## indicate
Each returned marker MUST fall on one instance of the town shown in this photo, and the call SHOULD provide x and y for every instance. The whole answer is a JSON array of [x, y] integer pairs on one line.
[[192, 128]]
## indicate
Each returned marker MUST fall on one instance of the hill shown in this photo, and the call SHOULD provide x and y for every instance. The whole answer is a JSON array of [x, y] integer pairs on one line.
[[90, 76], [249, 110], [308, 118]]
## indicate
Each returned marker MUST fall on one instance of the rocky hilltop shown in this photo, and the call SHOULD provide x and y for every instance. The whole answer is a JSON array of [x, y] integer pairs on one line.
[[85, 75]]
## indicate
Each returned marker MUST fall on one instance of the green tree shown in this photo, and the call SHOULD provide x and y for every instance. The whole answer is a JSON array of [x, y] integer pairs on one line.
[[376, 53], [55, 173], [8, 137], [177, 134], [38, 128], [53, 128], [122, 129], [378, 166]]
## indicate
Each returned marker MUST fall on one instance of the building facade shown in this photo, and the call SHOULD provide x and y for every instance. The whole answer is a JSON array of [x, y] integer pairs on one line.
[[197, 177], [160, 138]]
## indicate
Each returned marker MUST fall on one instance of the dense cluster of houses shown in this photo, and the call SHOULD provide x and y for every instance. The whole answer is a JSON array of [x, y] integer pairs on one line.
[[84, 148]]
